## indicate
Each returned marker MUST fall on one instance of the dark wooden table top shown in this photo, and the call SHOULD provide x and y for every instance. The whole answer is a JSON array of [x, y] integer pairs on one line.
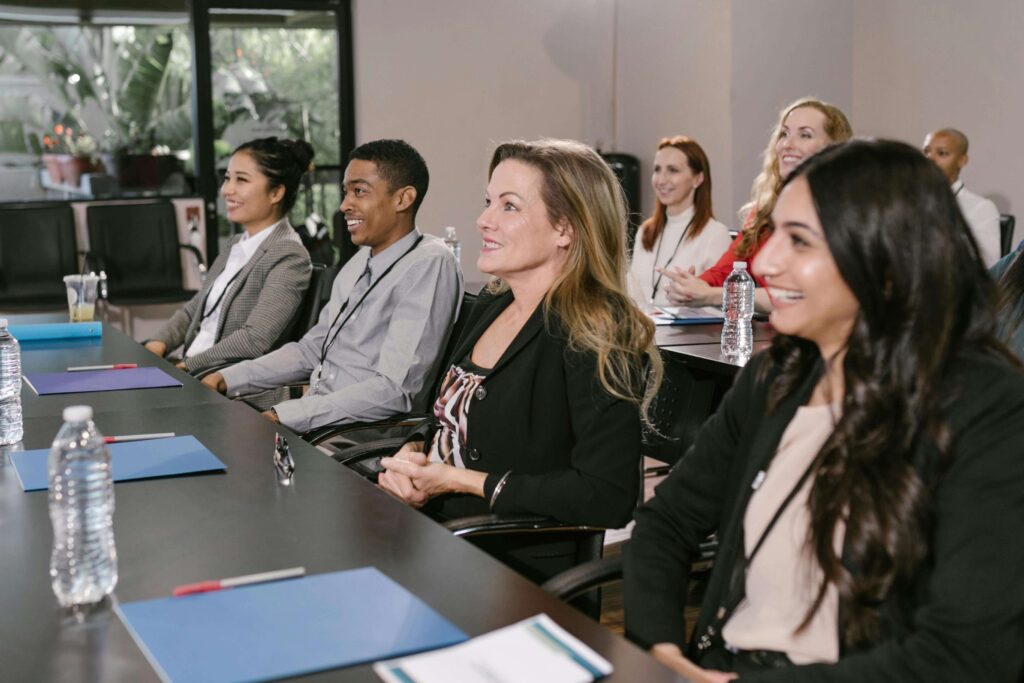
[[684, 335], [179, 530]]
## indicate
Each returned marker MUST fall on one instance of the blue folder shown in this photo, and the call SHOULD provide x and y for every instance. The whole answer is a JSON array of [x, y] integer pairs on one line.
[[130, 460], [32, 332], [285, 628], [45, 383]]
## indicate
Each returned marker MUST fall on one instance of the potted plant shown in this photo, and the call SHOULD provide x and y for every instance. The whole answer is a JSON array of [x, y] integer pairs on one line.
[[68, 155]]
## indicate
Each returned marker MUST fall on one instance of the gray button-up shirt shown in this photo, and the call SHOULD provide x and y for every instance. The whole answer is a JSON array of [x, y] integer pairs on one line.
[[383, 361]]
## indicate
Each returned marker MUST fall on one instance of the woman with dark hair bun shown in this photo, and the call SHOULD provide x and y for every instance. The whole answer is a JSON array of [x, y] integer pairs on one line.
[[864, 475], [255, 286]]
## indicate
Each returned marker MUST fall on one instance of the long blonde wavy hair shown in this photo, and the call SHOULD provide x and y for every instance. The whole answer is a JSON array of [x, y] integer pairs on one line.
[[756, 214], [590, 297]]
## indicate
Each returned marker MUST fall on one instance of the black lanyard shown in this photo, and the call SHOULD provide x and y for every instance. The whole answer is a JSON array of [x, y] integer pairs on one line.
[[654, 269], [205, 312], [328, 338]]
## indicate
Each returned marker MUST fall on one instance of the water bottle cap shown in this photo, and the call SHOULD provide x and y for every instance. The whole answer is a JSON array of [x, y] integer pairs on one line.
[[77, 413], [450, 231], [739, 265], [3, 322]]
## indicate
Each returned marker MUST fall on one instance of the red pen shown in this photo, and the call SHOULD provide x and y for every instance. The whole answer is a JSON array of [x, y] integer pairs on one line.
[[137, 437], [115, 366], [234, 582]]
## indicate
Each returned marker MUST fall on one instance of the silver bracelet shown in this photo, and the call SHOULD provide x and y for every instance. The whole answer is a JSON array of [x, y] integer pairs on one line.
[[497, 490]]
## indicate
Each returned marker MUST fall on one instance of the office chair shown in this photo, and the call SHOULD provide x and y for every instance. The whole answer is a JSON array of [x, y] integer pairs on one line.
[[37, 249], [321, 278], [681, 406], [134, 248], [1006, 225]]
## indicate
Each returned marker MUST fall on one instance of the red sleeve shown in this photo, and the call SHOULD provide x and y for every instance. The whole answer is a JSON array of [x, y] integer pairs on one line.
[[716, 274]]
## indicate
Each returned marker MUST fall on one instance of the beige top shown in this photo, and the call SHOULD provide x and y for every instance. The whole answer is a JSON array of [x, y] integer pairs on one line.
[[784, 576]]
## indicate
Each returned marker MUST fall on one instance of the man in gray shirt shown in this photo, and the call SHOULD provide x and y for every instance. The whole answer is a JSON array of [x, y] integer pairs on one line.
[[374, 352]]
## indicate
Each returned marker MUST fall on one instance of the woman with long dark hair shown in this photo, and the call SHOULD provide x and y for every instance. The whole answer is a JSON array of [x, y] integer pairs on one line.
[[1009, 273], [864, 475], [255, 285], [804, 127], [682, 233]]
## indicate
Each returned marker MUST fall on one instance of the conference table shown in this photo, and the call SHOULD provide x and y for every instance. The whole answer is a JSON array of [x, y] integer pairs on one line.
[[174, 531]]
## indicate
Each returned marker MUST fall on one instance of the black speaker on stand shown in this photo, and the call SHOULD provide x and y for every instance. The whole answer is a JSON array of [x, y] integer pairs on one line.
[[627, 170]]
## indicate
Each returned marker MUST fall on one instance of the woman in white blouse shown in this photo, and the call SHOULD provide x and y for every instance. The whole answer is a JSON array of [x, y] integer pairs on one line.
[[682, 233]]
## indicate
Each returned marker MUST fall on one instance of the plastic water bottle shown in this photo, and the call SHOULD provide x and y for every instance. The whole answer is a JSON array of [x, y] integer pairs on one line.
[[10, 387], [83, 565], [738, 304], [451, 240]]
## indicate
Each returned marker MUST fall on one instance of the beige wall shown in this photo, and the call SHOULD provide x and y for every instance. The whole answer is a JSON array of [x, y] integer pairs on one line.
[[454, 77], [925, 64]]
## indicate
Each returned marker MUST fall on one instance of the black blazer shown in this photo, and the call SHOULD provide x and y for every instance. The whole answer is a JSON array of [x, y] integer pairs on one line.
[[965, 618], [572, 449]]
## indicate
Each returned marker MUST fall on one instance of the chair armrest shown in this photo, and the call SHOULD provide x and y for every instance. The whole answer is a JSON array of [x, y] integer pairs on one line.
[[500, 524], [584, 578], [404, 423]]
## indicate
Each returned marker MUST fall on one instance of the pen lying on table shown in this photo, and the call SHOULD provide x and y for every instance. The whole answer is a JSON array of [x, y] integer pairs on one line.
[[137, 437], [115, 366], [235, 581]]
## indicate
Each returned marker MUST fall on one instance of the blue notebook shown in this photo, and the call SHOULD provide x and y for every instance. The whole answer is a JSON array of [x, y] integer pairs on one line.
[[130, 460], [35, 331], [285, 628], [45, 383]]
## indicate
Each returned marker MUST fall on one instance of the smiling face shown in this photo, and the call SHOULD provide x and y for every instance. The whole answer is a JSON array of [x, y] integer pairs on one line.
[[520, 243], [946, 152], [809, 297], [801, 136], [372, 209], [673, 180], [247, 195]]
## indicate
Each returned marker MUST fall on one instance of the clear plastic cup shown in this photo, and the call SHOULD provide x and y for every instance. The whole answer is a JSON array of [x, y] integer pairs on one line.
[[82, 291]]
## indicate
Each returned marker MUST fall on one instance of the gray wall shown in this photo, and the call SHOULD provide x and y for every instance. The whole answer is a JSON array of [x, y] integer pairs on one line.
[[454, 77]]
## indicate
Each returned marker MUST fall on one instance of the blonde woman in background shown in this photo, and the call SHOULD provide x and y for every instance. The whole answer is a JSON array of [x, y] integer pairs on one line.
[[805, 127]]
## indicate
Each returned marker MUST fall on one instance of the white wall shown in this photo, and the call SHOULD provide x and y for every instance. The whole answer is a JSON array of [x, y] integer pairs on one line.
[[926, 64], [783, 50], [673, 65], [455, 77]]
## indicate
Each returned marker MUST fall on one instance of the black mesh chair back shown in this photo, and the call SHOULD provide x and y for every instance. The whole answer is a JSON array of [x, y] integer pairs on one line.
[[37, 249], [136, 245], [320, 280], [1006, 225]]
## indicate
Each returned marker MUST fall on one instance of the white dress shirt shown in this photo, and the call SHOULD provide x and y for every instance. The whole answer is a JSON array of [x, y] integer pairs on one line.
[[241, 252], [701, 252], [983, 217]]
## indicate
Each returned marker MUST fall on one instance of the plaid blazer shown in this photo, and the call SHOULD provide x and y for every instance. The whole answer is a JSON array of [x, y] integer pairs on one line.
[[257, 307]]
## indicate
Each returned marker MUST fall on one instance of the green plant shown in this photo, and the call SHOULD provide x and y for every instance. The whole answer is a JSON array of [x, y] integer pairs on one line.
[[128, 86]]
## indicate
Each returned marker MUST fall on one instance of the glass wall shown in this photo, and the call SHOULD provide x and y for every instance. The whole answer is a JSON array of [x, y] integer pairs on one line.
[[95, 111], [275, 72]]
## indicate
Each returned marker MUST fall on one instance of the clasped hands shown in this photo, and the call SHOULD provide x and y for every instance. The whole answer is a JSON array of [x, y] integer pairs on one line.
[[410, 477], [684, 288]]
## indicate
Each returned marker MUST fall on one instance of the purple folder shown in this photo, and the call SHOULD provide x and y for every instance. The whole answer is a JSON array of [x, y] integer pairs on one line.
[[45, 383]]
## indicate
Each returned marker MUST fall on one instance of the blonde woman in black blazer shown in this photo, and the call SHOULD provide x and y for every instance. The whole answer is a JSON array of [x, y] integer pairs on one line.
[[541, 410], [251, 295]]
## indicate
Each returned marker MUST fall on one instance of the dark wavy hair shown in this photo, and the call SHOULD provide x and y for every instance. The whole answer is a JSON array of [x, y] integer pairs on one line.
[[697, 160], [283, 161], [398, 164], [903, 248]]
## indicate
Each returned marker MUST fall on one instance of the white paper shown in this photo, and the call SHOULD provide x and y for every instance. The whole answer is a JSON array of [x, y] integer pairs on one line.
[[520, 653]]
